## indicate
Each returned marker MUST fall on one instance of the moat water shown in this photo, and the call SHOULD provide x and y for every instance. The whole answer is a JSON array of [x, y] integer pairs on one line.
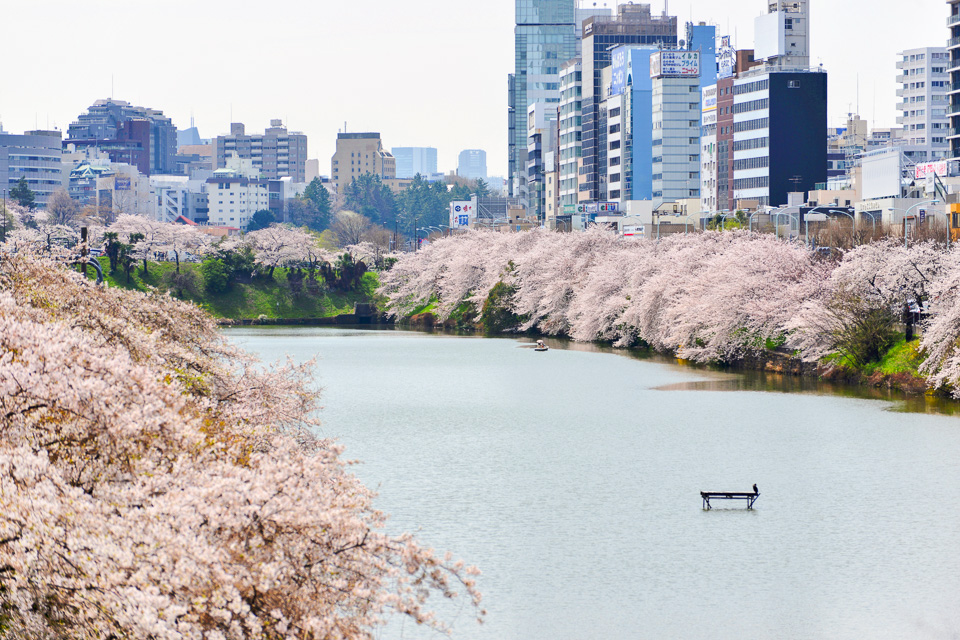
[[572, 479]]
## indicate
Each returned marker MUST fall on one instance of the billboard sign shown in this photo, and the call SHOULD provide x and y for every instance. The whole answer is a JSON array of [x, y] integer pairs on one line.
[[929, 169], [709, 98], [710, 117], [634, 231], [603, 207], [675, 64], [121, 183], [618, 77], [591, 207], [461, 211], [726, 59]]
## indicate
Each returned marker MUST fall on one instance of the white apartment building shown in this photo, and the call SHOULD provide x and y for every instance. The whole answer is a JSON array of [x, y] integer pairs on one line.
[[708, 150], [922, 108], [232, 201], [570, 117], [618, 147]]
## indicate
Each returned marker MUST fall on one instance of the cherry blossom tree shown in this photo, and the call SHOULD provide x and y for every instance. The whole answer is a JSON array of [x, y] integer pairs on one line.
[[279, 245], [156, 482]]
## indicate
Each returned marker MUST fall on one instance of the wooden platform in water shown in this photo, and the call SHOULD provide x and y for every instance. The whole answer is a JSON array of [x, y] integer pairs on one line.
[[750, 497]]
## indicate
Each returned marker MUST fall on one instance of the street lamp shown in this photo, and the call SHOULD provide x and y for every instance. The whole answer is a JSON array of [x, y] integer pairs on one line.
[[830, 210], [791, 216], [907, 213]]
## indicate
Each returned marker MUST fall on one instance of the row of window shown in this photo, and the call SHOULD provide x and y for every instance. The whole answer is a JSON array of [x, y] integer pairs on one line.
[[751, 125], [753, 105], [751, 163], [750, 87], [752, 143], [760, 182]]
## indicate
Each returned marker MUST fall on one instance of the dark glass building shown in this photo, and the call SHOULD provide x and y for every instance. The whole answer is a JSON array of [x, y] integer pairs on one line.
[[633, 24]]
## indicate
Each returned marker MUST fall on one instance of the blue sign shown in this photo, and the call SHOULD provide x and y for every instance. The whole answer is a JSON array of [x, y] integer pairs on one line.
[[618, 83], [463, 221]]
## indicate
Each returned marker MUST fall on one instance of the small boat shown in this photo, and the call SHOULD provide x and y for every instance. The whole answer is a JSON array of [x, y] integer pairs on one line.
[[540, 346]]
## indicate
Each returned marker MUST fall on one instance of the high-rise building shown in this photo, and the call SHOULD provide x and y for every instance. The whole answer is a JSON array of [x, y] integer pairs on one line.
[[541, 156], [472, 163], [953, 68], [633, 24], [134, 135], [676, 125], [414, 160], [35, 156], [277, 153], [779, 134], [545, 37], [360, 153], [922, 104], [569, 143]]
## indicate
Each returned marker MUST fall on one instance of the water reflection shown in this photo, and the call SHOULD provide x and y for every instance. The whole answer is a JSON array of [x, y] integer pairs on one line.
[[714, 378]]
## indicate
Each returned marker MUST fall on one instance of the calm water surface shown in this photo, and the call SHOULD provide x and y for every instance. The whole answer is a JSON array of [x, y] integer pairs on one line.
[[572, 479]]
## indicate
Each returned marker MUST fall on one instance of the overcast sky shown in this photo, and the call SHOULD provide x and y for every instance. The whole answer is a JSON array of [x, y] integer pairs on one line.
[[427, 73]]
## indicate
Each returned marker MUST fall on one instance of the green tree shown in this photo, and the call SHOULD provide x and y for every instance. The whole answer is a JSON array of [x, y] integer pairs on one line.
[[314, 209], [216, 275], [368, 195], [261, 220], [423, 203], [22, 194], [482, 189]]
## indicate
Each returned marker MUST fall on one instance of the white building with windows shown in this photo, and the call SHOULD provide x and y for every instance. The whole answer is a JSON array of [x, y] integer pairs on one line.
[[922, 102], [676, 125], [233, 200], [570, 118]]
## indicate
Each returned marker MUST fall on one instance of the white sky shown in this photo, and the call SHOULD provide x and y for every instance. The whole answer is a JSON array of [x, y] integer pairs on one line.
[[421, 72]]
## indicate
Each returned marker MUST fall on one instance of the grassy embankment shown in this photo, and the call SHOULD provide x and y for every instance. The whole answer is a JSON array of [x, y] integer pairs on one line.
[[262, 297]]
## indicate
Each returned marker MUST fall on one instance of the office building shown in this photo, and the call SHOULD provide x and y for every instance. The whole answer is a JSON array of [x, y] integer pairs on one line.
[[953, 68], [922, 102], [676, 126], [415, 160], [472, 164], [129, 134], [633, 24], [545, 37], [35, 156], [360, 153], [779, 140], [569, 147], [277, 153], [541, 157]]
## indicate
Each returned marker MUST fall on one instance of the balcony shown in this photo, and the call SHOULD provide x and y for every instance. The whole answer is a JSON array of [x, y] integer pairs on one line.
[[952, 20], [953, 42], [953, 132], [900, 92], [952, 109]]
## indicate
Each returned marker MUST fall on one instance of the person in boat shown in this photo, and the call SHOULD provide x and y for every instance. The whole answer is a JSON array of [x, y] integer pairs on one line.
[[540, 344]]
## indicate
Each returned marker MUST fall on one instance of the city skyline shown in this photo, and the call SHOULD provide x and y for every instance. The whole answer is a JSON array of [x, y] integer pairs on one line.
[[439, 82]]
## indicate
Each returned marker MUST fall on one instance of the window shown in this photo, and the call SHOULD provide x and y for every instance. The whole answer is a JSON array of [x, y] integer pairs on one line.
[[793, 84]]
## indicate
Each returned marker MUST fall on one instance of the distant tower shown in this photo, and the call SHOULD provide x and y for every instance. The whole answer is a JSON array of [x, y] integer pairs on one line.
[[472, 164]]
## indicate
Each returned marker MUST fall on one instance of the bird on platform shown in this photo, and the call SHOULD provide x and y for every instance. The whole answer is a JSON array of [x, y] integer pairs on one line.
[[755, 490]]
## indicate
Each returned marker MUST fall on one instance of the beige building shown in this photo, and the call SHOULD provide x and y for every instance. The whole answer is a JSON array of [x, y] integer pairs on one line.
[[360, 153]]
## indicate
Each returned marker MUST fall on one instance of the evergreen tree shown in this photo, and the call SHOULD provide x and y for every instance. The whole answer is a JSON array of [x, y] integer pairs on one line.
[[22, 194]]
